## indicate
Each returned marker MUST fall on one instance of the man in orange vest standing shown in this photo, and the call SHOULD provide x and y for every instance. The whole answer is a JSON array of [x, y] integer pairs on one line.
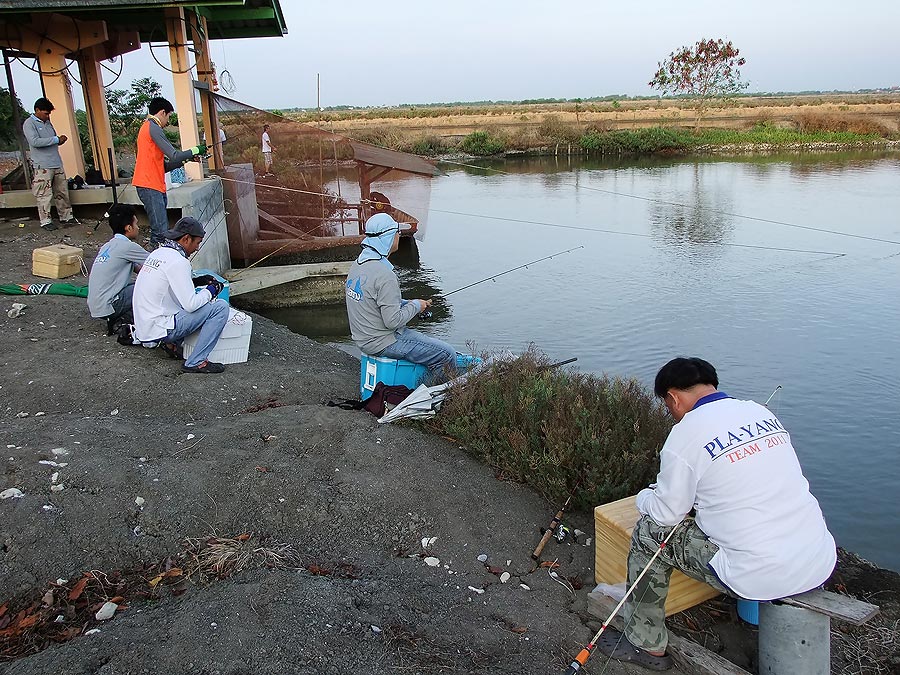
[[155, 156]]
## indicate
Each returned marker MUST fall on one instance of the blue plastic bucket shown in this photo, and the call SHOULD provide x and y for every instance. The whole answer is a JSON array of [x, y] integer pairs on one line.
[[748, 610]]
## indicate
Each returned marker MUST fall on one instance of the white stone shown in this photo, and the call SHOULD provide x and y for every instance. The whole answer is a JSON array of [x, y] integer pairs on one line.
[[482, 558], [505, 577], [525, 587], [375, 629], [12, 493], [57, 488], [139, 501], [477, 590], [54, 476], [59, 451], [431, 561], [114, 412], [107, 611]]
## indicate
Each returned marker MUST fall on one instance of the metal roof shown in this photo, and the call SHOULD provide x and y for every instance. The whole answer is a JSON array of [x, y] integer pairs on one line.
[[225, 18]]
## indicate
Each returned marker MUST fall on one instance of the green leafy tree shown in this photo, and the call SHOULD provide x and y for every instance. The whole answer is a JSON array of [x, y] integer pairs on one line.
[[7, 125], [128, 108], [708, 70]]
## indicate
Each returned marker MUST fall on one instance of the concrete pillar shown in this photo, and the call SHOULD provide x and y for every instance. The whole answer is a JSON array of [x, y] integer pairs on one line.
[[793, 641], [97, 113], [58, 88], [183, 83]]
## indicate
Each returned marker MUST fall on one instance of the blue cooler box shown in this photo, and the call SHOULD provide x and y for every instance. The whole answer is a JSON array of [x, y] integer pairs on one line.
[[225, 294], [374, 369]]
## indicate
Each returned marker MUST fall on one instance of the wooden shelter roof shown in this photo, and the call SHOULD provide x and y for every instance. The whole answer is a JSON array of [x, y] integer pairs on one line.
[[225, 18]]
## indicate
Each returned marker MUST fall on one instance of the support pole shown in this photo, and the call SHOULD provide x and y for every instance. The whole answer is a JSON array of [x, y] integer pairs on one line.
[[183, 83], [207, 99], [97, 113], [17, 120], [793, 640], [58, 88]]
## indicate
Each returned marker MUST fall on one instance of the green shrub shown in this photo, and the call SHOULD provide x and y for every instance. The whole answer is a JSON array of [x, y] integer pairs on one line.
[[482, 143], [426, 145], [550, 428], [637, 142]]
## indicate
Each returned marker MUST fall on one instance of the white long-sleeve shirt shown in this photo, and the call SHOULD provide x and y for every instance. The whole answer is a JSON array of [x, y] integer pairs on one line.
[[163, 288], [733, 462]]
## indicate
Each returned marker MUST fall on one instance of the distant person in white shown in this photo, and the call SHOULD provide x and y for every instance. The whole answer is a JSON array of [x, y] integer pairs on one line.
[[730, 481], [267, 148], [167, 308], [110, 288]]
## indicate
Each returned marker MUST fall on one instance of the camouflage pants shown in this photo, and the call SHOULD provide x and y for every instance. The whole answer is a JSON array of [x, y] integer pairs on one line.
[[689, 550], [49, 185]]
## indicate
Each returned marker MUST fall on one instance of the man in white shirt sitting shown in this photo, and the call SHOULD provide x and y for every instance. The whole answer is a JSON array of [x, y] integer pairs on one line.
[[167, 308], [110, 288], [757, 532]]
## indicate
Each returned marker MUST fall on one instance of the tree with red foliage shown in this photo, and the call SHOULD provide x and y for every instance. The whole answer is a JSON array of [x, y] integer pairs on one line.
[[710, 69]]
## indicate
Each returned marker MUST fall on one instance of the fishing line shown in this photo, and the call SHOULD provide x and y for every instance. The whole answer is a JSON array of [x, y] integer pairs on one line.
[[580, 228], [664, 202]]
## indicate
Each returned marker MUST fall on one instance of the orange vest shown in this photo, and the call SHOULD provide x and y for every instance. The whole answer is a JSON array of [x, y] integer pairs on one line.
[[149, 168]]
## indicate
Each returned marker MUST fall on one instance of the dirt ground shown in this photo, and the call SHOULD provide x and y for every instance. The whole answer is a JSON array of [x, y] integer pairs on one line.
[[255, 451]]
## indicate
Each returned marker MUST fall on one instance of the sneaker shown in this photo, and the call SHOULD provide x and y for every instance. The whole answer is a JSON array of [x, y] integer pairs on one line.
[[207, 367], [49, 227], [71, 222]]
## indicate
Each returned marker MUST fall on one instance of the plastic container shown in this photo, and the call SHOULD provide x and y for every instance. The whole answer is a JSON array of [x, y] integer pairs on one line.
[[375, 369], [234, 342], [748, 610], [226, 292]]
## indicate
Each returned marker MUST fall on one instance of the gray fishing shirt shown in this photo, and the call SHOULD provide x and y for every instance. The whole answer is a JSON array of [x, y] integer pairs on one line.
[[375, 307], [44, 143], [111, 272]]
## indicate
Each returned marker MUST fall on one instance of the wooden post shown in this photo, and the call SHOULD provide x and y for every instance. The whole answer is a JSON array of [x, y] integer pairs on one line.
[[17, 120], [97, 112], [182, 82], [207, 100]]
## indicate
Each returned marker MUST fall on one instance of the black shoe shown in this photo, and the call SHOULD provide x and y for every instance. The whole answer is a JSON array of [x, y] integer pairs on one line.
[[207, 367], [71, 222], [172, 350], [49, 227]]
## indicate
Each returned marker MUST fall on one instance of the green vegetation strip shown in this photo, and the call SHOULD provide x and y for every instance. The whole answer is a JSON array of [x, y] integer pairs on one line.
[[555, 428]]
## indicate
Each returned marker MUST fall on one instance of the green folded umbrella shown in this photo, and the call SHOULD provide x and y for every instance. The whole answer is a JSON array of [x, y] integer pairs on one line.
[[44, 289]]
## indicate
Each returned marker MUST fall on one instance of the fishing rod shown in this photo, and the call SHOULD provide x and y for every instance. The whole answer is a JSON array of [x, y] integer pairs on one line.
[[585, 653], [512, 269], [428, 314], [551, 529], [772, 395]]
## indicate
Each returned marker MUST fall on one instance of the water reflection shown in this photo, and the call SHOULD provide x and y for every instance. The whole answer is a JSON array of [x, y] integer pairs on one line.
[[693, 216]]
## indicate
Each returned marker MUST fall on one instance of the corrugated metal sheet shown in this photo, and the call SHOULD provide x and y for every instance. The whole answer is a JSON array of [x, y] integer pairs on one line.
[[372, 154]]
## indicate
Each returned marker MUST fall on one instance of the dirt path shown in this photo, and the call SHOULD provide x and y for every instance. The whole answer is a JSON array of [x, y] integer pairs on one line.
[[338, 487]]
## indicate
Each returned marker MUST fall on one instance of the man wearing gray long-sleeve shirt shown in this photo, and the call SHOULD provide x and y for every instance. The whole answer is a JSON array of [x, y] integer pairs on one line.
[[378, 314], [49, 182], [155, 156]]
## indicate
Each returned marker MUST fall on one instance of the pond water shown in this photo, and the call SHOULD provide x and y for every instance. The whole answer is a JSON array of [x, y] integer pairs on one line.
[[746, 262]]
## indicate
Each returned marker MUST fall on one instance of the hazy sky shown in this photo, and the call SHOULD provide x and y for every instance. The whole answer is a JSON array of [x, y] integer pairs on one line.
[[405, 51]]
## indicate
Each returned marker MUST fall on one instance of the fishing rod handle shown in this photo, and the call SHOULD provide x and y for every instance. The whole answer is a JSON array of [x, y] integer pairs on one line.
[[580, 660], [547, 534]]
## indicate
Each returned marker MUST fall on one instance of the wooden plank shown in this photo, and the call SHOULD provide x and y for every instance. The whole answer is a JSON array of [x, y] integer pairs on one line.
[[691, 658], [257, 278], [841, 607]]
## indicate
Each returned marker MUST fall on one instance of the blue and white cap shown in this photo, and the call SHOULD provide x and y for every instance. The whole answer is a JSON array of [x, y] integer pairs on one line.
[[380, 231]]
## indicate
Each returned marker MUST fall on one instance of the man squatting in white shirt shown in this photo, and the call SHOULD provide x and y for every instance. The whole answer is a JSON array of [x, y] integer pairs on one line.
[[757, 534]]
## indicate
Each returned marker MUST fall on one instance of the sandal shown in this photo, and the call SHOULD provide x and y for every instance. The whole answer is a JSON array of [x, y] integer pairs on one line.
[[172, 350], [616, 646]]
